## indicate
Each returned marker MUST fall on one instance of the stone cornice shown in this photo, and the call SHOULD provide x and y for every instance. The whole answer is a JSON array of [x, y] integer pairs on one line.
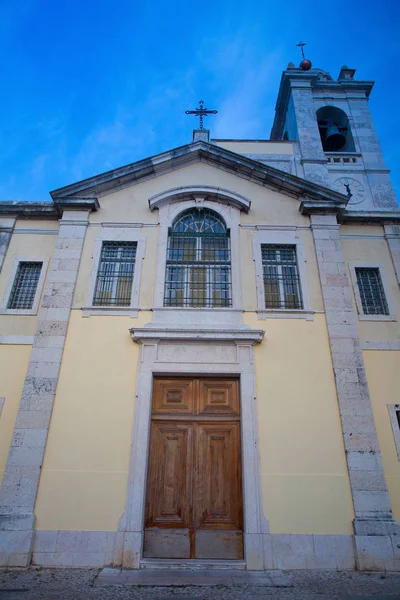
[[374, 217], [308, 207], [46, 210], [211, 154], [237, 335]]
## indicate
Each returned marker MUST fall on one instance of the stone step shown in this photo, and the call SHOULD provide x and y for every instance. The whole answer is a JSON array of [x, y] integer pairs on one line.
[[180, 564], [168, 577]]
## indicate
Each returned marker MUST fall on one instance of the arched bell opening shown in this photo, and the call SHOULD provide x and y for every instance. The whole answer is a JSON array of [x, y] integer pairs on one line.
[[334, 129]]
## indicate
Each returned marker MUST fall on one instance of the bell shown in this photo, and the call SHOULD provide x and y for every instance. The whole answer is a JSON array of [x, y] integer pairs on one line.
[[334, 139]]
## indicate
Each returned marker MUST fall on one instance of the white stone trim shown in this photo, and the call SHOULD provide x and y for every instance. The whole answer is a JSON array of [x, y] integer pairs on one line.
[[273, 236], [231, 216], [188, 192], [35, 306], [393, 409], [19, 340], [370, 265], [380, 345], [201, 352], [35, 231], [116, 234], [96, 549]]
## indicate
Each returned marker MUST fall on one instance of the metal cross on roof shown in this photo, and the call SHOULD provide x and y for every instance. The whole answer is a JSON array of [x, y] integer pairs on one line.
[[301, 46], [201, 112]]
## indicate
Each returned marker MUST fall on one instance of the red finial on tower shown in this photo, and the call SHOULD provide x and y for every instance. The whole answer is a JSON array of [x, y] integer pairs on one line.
[[305, 64]]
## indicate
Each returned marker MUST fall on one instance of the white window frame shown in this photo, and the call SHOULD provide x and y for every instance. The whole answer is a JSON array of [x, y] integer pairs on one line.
[[39, 288], [167, 215], [116, 234], [386, 290], [393, 409], [273, 237]]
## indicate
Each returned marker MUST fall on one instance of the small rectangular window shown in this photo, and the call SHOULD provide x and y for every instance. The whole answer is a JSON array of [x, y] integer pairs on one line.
[[372, 295], [115, 274], [25, 285], [398, 417], [281, 276]]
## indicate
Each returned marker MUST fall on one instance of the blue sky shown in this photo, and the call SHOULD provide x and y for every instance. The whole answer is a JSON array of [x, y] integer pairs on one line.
[[88, 85]]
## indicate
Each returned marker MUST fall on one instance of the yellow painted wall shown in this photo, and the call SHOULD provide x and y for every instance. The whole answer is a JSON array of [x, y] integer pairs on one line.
[[304, 476], [131, 204], [383, 368], [24, 246], [254, 147], [13, 365], [360, 249], [84, 478]]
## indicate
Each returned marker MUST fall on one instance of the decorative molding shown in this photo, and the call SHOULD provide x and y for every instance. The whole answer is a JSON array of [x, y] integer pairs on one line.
[[394, 410], [33, 231], [386, 289], [116, 234], [240, 334], [209, 192], [286, 313], [19, 340], [281, 237], [216, 156], [204, 352], [375, 345], [39, 288], [231, 215]]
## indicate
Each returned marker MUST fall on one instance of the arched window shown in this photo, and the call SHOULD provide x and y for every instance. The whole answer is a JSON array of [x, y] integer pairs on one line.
[[334, 130], [198, 272]]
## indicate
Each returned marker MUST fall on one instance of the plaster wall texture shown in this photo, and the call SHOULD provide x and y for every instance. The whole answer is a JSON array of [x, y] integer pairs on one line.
[[85, 470], [383, 369], [14, 361], [304, 477], [45, 224], [22, 247], [253, 147], [86, 460], [130, 205], [375, 251]]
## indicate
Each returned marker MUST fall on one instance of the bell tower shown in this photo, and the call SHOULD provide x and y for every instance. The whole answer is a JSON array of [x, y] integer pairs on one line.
[[336, 142]]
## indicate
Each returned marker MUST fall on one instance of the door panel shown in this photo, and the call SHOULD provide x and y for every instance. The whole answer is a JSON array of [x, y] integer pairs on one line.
[[194, 489], [218, 397], [173, 396], [216, 500], [170, 472]]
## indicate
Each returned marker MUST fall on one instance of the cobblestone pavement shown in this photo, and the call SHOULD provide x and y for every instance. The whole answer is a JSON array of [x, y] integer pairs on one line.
[[82, 584]]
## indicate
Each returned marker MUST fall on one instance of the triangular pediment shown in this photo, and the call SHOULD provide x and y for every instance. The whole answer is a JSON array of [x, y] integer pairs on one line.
[[236, 164]]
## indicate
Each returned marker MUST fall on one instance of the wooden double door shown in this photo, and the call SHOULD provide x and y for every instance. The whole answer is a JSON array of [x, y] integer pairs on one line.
[[194, 505]]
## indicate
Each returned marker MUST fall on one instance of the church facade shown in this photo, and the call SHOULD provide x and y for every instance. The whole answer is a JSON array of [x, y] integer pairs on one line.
[[199, 353]]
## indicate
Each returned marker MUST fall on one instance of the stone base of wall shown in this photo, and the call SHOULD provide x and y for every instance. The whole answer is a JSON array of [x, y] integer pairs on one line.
[[284, 551]]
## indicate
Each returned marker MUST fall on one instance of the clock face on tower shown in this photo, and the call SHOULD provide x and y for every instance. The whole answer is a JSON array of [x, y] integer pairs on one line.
[[344, 185]]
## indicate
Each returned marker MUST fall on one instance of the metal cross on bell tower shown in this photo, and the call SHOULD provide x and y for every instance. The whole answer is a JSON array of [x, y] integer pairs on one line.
[[201, 112]]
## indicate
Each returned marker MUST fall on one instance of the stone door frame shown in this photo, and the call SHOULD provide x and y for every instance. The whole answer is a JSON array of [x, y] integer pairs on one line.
[[227, 352]]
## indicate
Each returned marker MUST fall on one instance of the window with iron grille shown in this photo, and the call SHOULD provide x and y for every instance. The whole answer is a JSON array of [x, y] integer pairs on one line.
[[281, 276], [372, 295], [115, 274], [25, 285], [198, 270]]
